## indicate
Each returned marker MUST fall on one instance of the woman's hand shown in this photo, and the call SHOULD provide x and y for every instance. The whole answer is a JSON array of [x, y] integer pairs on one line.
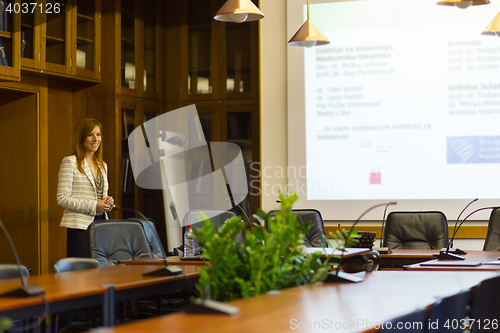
[[102, 206], [111, 202]]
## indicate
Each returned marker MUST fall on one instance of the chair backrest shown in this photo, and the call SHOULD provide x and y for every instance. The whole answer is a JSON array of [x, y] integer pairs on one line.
[[484, 305], [414, 322], [110, 241], [315, 237], [416, 230], [9, 271], [217, 217], [152, 237], [74, 264], [492, 241], [451, 309]]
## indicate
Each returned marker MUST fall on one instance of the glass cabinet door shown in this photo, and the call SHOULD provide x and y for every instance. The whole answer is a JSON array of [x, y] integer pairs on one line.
[[127, 184], [87, 38], [10, 41], [30, 35], [241, 65], [200, 53], [150, 75], [127, 45], [56, 48]]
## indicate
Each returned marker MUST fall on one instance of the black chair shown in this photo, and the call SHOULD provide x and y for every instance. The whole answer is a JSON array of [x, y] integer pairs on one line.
[[74, 264], [416, 230], [151, 236], [9, 271], [316, 235], [484, 306], [110, 241], [217, 217], [414, 322], [452, 309], [492, 241], [70, 265]]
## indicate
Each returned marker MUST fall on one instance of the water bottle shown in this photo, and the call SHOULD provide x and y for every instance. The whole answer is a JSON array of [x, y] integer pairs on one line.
[[189, 242]]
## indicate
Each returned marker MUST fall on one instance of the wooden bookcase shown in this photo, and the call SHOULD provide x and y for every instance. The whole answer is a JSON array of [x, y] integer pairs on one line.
[[218, 73]]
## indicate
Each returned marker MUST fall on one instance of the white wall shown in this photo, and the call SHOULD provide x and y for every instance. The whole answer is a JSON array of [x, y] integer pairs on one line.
[[273, 108]]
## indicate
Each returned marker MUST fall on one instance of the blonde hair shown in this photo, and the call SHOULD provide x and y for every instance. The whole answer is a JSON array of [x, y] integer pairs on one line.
[[83, 129]]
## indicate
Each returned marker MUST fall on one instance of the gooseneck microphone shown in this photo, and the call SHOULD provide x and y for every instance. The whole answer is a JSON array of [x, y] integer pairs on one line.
[[447, 254], [168, 270], [25, 291], [456, 223], [380, 249], [241, 209], [339, 276]]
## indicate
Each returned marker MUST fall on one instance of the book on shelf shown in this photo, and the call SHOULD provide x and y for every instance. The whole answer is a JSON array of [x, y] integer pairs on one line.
[[4, 15], [128, 123], [3, 56], [81, 59], [127, 176], [24, 41], [239, 126]]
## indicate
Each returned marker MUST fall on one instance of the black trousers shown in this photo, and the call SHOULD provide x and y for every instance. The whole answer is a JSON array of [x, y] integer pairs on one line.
[[75, 241]]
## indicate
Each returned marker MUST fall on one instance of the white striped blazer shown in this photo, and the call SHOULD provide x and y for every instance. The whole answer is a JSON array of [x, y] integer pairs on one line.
[[77, 194]]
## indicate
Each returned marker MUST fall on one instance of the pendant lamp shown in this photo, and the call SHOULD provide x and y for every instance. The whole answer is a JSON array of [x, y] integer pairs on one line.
[[463, 3], [308, 35], [238, 11], [493, 28]]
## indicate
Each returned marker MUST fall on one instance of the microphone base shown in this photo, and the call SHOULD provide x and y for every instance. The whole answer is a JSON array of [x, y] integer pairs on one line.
[[344, 277], [454, 250], [210, 306], [383, 250], [165, 271], [443, 255], [25, 292]]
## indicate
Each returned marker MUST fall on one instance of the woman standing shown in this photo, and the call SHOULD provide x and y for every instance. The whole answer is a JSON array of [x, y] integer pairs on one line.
[[82, 188]]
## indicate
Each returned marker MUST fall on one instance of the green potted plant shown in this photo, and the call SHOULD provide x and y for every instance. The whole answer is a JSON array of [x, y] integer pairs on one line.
[[5, 323], [270, 257]]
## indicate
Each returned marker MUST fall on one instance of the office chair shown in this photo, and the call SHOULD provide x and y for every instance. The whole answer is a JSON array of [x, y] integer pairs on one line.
[[452, 309], [416, 230], [74, 264], [414, 322], [70, 265], [110, 241], [151, 236], [484, 305], [492, 240], [9, 271], [217, 217], [315, 237]]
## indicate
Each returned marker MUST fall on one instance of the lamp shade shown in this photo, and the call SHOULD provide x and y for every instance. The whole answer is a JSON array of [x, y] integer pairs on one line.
[[308, 35], [493, 28], [238, 11], [463, 3]]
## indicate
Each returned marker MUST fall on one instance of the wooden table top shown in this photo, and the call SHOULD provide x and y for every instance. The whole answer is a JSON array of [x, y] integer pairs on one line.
[[383, 295], [71, 285], [478, 256]]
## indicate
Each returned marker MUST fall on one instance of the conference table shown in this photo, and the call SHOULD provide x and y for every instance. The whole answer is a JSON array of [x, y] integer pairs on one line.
[[482, 257], [91, 288], [332, 307]]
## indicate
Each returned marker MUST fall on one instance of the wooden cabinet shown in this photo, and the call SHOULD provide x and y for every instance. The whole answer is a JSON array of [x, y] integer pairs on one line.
[[218, 60], [139, 37], [58, 37], [238, 124], [215, 66]]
